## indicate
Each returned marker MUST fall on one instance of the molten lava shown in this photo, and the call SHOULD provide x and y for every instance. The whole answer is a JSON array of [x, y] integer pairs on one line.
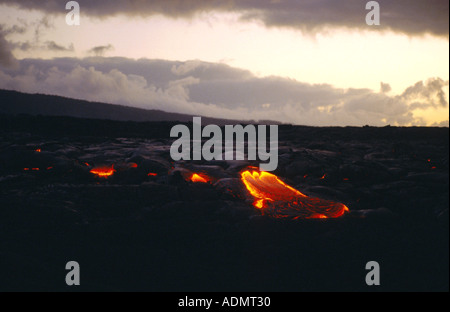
[[276, 198], [199, 177], [103, 172]]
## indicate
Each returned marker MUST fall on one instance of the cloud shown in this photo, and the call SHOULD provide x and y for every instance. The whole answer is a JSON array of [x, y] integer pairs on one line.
[[48, 45], [385, 87], [431, 90], [15, 29], [53, 46], [6, 57], [37, 26], [413, 17], [101, 50], [444, 123], [44, 23], [23, 46], [219, 90]]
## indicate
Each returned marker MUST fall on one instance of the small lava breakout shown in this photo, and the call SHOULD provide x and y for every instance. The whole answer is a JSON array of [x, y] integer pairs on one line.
[[275, 198], [103, 172], [280, 200]]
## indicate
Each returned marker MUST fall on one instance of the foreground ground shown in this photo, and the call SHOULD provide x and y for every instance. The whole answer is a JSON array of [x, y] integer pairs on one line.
[[145, 228]]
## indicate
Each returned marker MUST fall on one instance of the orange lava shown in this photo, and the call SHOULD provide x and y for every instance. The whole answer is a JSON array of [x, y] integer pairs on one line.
[[277, 199], [202, 178], [103, 172]]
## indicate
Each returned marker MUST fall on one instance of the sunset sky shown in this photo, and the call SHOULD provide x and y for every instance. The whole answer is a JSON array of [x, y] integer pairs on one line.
[[296, 61]]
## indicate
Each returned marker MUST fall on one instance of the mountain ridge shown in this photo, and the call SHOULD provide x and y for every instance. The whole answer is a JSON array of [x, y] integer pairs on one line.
[[16, 103]]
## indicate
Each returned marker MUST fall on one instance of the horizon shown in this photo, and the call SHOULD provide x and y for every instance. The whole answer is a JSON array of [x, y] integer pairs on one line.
[[221, 124], [287, 61], [222, 120]]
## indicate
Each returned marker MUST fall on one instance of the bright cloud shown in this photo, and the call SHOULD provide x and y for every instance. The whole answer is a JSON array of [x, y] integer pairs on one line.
[[219, 90]]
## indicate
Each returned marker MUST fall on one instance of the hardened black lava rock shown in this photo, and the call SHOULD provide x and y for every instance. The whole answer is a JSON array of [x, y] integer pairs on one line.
[[148, 227]]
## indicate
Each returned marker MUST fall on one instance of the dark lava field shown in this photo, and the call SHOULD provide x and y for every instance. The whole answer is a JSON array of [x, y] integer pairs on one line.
[[148, 228]]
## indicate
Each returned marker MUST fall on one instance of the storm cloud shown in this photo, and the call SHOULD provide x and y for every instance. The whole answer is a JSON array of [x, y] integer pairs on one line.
[[219, 90], [413, 17]]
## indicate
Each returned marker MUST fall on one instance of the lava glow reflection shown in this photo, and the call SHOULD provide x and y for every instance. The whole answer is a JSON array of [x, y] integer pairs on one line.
[[276, 198]]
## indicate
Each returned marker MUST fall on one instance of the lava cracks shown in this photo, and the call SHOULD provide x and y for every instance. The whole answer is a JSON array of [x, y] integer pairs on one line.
[[277, 199]]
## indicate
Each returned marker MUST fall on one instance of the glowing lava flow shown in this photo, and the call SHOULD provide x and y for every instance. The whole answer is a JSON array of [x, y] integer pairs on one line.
[[199, 178], [280, 200], [103, 172]]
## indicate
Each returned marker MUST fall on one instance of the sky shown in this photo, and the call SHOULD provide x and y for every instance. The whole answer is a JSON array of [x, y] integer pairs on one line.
[[305, 62]]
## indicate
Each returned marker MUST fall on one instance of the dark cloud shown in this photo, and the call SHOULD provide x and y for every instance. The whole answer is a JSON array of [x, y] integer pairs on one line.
[[407, 16], [44, 23], [37, 26], [218, 90], [15, 29], [6, 57], [48, 45], [23, 46], [101, 50], [53, 46]]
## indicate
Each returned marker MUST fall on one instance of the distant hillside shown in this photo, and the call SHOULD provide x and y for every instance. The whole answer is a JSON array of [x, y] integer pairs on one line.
[[15, 103]]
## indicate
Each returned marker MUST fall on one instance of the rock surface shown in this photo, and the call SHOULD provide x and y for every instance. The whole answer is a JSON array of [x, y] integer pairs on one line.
[[146, 228]]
